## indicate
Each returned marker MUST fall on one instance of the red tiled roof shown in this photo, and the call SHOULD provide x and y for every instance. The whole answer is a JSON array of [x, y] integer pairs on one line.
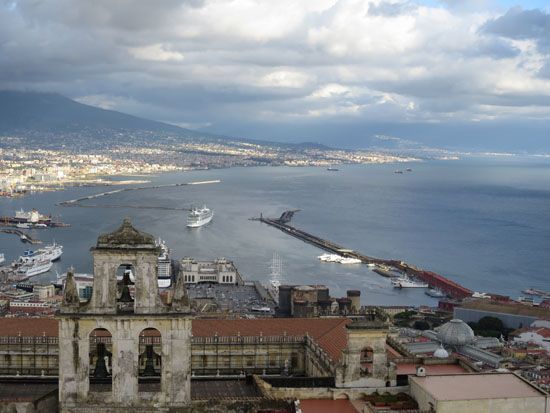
[[27, 326], [329, 333]]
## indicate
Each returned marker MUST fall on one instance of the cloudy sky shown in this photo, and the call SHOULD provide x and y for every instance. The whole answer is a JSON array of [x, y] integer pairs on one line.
[[459, 72]]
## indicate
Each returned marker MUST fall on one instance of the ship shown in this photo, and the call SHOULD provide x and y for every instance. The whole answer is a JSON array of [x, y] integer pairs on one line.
[[384, 271], [350, 260], [51, 252], [164, 265], [32, 216], [198, 217], [405, 282], [433, 292], [2, 258], [35, 268], [332, 169]]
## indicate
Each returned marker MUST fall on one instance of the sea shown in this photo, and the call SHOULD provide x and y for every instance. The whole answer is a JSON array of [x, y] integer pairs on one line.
[[483, 222]]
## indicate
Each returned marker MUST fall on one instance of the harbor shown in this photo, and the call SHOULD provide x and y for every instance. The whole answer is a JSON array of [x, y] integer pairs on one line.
[[429, 278]]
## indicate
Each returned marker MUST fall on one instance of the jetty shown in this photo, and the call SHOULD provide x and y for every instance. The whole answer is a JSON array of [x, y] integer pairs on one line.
[[22, 235], [434, 280], [77, 202]]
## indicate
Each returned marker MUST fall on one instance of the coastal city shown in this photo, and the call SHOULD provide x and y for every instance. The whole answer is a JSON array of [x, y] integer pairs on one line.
[[287, 347], [26, 170], [337, 206]]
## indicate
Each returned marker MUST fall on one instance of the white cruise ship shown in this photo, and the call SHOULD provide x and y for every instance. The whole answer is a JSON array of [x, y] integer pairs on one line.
[[50, 252], [198, 217], [35, 268]]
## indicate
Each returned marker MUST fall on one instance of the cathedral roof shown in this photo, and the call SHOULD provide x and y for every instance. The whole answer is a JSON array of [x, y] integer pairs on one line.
[[126, 236]]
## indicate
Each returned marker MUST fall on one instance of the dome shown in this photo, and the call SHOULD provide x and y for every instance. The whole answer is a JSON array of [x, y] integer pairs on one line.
[[455, 333], [441, 353]]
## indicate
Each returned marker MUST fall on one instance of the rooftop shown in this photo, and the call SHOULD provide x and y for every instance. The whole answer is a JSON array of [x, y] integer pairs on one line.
[[329, 333], [513, 308], [126, 236], [476, 386]]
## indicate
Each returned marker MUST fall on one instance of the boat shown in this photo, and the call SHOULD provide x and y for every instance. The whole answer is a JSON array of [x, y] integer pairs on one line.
[[409, 170], [384, 271], [198, 217], [405, 282], [23, 225], [35, 268], [51, 252], [332, 169], [350, 260], [32, 216], [2, 258], [398, 171], [433, 292], [330, 258], [534, 291], [164, 265]]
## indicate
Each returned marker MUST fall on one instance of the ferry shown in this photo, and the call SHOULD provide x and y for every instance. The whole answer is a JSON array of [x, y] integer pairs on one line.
[[51, 252], [198, 217], [35, 268], [405, 282]]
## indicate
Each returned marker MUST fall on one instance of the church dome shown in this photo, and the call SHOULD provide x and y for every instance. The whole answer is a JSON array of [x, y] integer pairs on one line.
[[455, 333]]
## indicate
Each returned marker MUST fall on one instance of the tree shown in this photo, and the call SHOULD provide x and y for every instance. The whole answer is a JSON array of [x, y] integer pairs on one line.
[[490, 324], [421, 325]]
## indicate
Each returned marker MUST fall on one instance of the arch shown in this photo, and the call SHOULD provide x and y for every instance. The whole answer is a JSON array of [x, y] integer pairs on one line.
[[100, 360], [126, 278], [150, 360]]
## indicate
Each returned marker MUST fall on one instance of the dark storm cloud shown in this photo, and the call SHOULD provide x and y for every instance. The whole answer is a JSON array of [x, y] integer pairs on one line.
[[522, 24]]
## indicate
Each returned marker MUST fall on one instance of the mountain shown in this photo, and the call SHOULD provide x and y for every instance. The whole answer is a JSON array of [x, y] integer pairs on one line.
[[51, 112]]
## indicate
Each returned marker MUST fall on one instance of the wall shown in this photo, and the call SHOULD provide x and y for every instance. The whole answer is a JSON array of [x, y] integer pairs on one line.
[[509, 320]]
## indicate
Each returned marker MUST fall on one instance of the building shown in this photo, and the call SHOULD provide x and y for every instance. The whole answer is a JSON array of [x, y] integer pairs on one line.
[[121, 349], [513, 315], [533, 335], [220, 271], [488, 393]]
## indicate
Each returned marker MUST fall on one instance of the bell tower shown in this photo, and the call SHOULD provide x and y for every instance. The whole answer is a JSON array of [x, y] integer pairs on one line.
[[125, 347]]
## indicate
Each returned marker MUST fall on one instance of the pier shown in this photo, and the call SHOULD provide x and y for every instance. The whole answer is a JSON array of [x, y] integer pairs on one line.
[[433, 279], [22, 236], [78, 201]]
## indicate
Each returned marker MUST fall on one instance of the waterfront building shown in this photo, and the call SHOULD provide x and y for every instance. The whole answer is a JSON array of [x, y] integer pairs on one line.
[[221, 271]]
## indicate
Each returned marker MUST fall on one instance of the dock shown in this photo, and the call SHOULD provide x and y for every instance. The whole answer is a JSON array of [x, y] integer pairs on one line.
[[433, 279], [22, 235]]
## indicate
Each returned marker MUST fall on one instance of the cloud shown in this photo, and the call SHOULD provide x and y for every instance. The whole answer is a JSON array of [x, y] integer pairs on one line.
[[225, 65]]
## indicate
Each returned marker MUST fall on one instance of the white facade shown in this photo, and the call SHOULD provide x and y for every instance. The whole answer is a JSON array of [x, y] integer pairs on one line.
[[538, 336], [220, 271]]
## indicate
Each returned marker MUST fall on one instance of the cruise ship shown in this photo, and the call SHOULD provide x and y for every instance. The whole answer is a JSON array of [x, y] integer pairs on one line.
[[35, 268], [51, 252], [198, 217]]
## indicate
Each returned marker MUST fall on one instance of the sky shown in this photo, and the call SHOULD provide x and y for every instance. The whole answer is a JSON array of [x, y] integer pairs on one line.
[[454, 73]]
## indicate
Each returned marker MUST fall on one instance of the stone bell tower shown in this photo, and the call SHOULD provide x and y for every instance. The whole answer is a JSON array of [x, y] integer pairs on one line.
[[366, 347], [124, 347]]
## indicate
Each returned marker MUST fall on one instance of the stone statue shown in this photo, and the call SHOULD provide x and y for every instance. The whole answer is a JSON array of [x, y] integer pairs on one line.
[[70, 296]]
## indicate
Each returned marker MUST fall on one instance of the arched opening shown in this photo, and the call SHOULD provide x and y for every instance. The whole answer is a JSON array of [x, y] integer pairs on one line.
[[342, 396], [100, 356], [125, 277], [150, 360]]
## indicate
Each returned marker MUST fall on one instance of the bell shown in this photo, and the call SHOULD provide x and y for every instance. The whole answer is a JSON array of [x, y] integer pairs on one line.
[[125, 297], [100, 370], [149, 366]]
